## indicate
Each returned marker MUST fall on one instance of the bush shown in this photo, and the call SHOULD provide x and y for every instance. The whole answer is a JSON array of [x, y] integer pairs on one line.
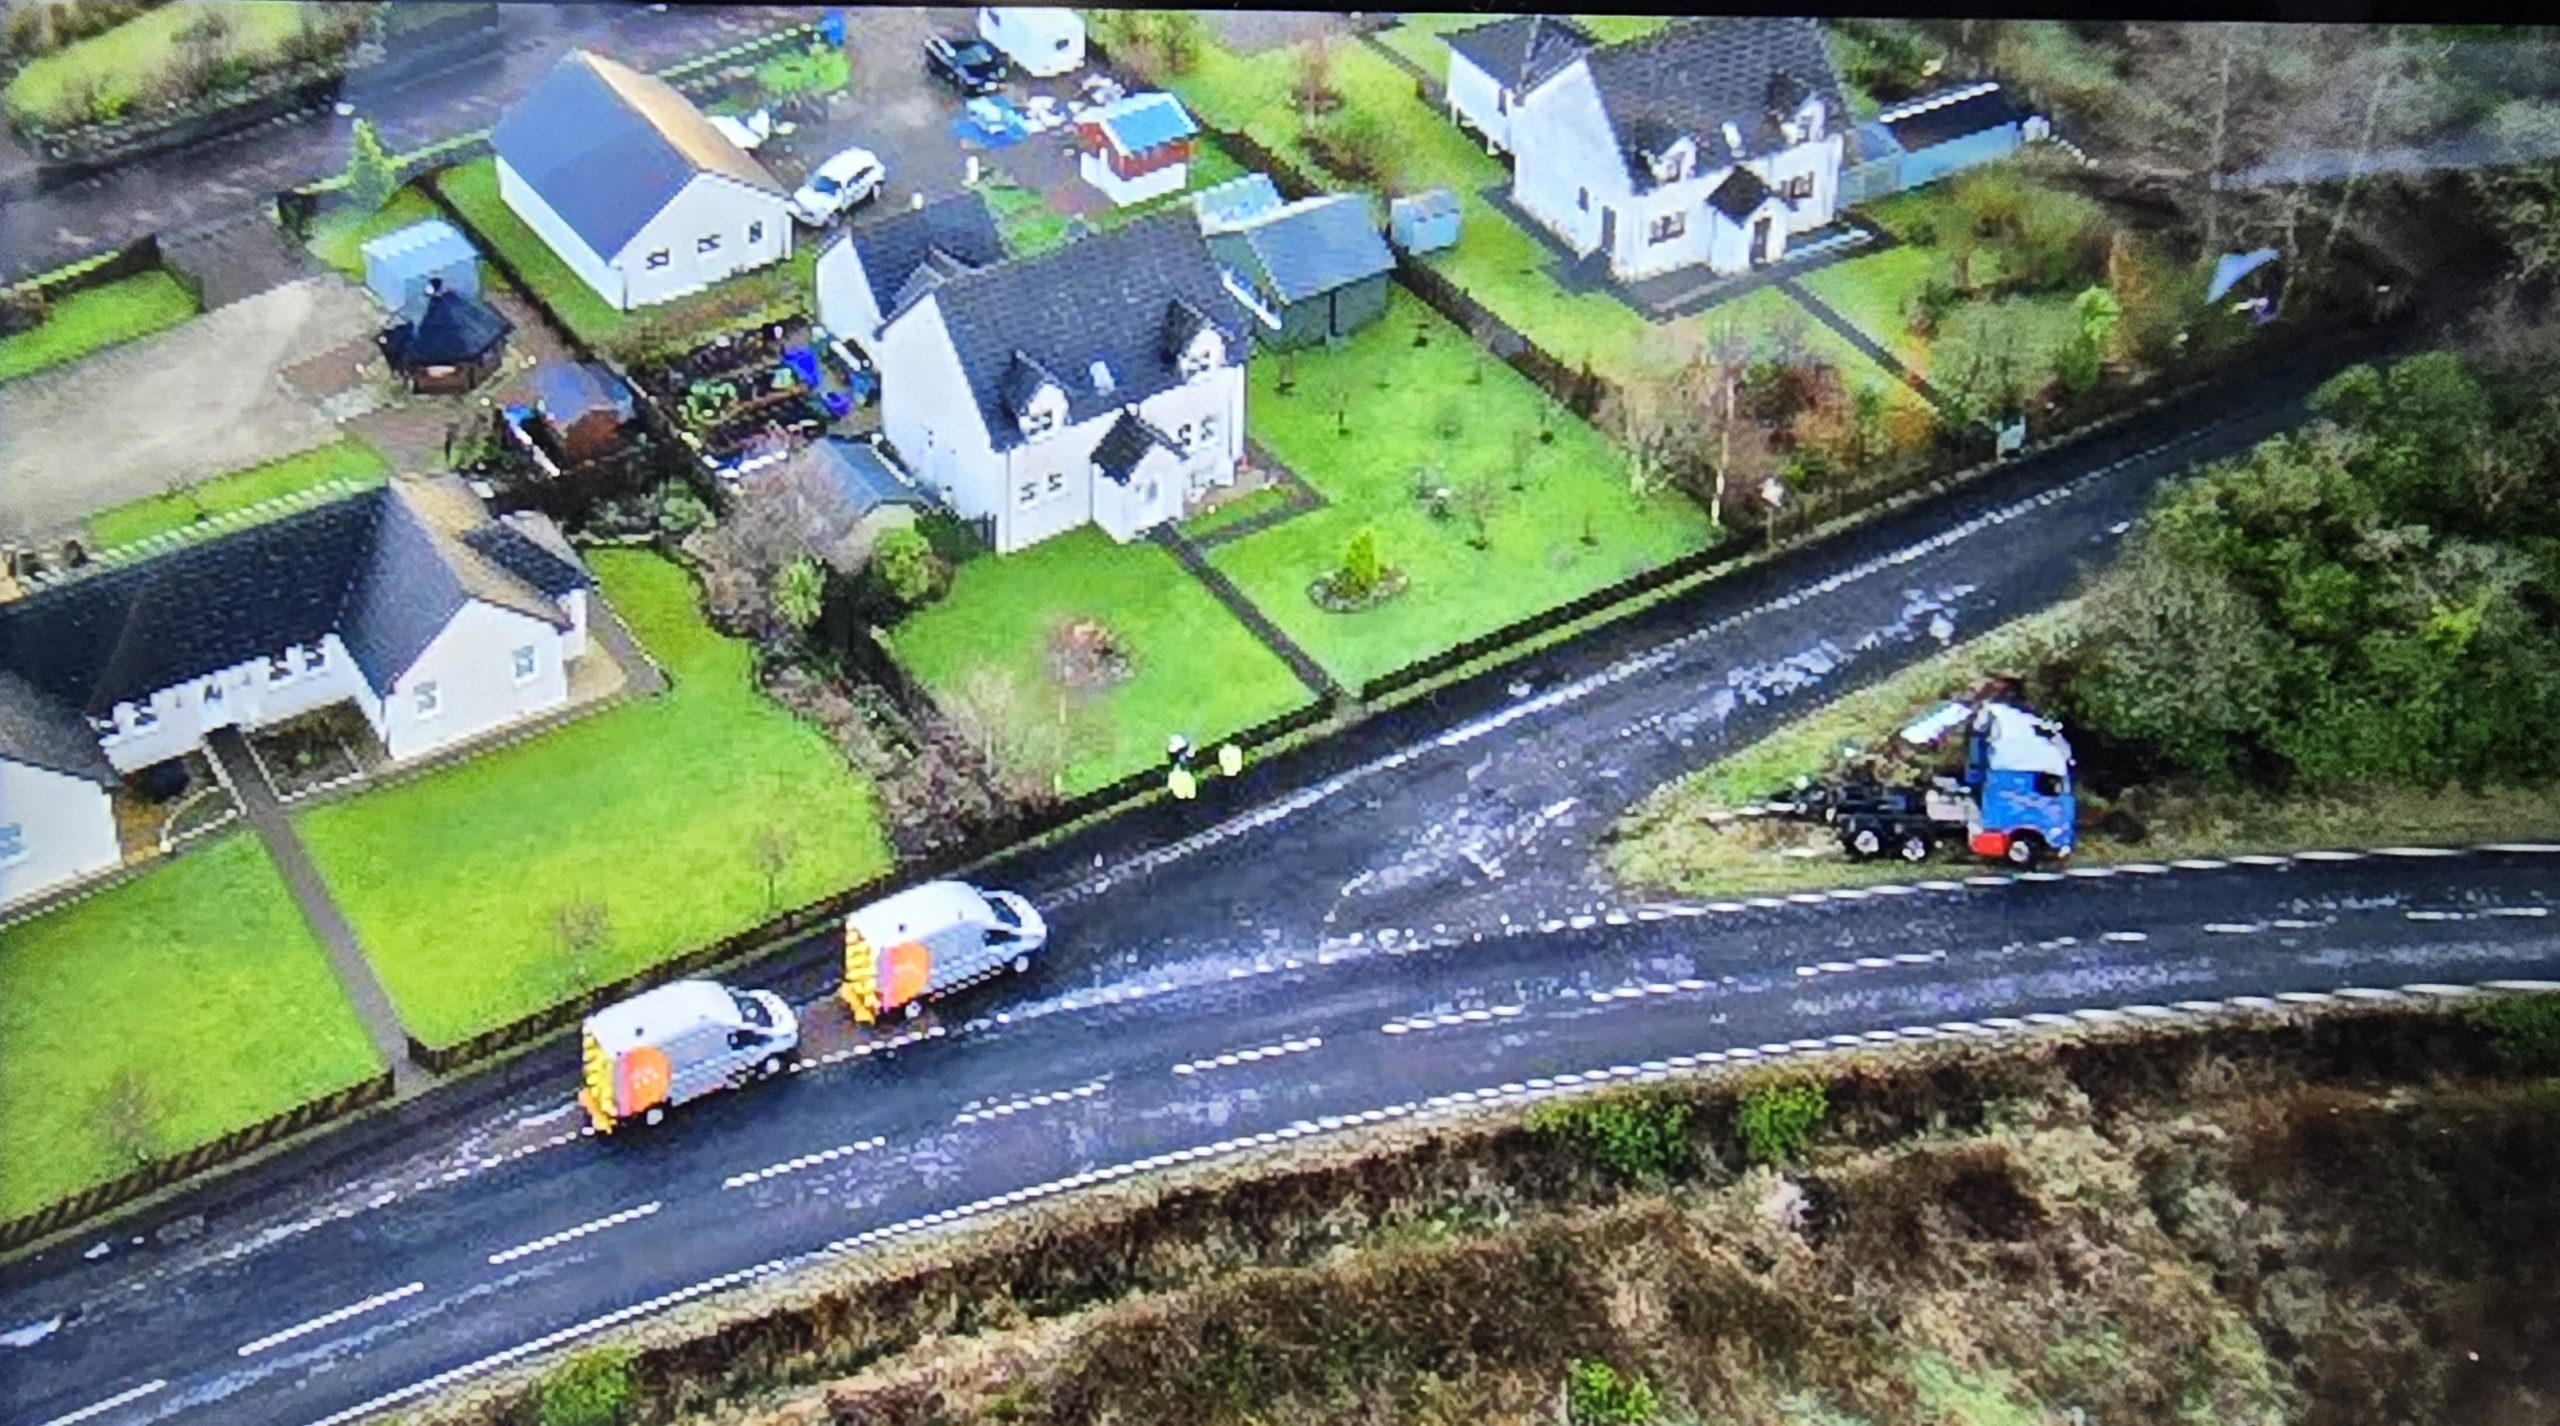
[[590, 1389], [1596, 1395], [1355, 145], [909, 567], [1362, 566], [1643, 1138], [2523, 1031], [1778, 1120]]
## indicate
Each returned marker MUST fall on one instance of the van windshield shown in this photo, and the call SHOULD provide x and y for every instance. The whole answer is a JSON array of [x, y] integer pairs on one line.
[[751, 1008], [1004, 913]]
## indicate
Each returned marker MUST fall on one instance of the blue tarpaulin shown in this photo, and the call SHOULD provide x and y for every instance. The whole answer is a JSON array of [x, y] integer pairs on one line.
[[990, 124], [2228, 272]]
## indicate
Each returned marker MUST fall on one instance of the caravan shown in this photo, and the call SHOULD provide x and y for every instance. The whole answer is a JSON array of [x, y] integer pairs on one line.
[[1043, 41]]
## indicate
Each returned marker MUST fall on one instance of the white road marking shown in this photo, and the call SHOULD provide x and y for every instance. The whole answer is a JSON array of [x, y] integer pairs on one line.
[[2417, 851], [2294, 923], [122, 1398], [2144, 868], [2526, 912], [2329, 856], [2199, 864], [2433, 915], [321, 1323], [2259, 859], [2231, 928], [2091, 872], [613, 1220], [2125, 937], [2542, 847], [1042, 1100], [1286, 1047], [805, 1161]]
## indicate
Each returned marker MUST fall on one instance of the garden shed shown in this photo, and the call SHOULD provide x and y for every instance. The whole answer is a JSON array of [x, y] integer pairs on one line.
[[1138, 148], [455, 342], [1949, 132], [1425, 222], [1317, 268], [836, 497], [399, 264], [1236, 202], [588, 407]]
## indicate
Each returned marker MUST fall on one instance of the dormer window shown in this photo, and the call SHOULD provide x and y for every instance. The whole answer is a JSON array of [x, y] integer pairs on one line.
[[1204, 351], [1039, 421], [1674, 163], [280, 667], [144, 717]]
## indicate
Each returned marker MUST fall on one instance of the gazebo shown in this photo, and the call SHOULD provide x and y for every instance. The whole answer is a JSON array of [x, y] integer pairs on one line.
[[454, 343]]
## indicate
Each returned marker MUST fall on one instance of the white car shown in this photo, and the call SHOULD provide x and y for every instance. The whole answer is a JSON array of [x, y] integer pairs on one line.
[[835, 187]]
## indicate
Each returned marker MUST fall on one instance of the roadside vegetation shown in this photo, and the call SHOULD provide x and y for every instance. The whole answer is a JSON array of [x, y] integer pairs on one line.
[[233, 1012], [347, 461], [2296, 1221], [526, 875], [74, 326], [170, 54]]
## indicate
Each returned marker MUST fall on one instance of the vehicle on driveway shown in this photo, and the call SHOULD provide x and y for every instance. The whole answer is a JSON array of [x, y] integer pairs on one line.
[[838, 186], [971, 66], [747, 131], [930, 940], [658, 1049], [1046, 42]]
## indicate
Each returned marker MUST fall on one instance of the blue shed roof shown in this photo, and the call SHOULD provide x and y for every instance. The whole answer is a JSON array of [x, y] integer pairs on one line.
[[1145, 121], [1318, 245]]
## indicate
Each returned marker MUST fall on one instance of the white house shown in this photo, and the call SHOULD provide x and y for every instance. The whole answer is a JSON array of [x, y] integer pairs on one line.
[[861, 273], [632, 187], [1491, 66], [1709, 142], [436, 622], [1102, 382]]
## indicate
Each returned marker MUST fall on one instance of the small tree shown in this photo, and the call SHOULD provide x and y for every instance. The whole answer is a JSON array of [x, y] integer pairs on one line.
[[774, 846], [1778, 1120], [800, 592], [1316, 90], [594, 1388], [130, 1116], [1023, 743], [371, 176], [582, 928], [1479, 499], [908, 566], [1364, 566], [1596, 1395]]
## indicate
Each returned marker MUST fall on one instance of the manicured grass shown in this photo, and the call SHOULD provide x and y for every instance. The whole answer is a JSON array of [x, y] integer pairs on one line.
[[1028, 225], [201, 978], [1421, 37], [1197, 670], [346, 459], [1250, 505], [338, 238], [766, 294], [100, 317], [1872, 292], [125, 61], [653, 811], [1401, 396]]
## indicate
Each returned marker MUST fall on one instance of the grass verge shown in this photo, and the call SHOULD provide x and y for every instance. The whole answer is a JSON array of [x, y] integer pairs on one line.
[[345, 459], [122, 65], [95, 319], [656, 811], [338, 236], [228, 1009]]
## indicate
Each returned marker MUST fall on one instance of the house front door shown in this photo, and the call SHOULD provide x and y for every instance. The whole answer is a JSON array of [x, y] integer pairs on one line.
[[1763, 229], [1609, 233]]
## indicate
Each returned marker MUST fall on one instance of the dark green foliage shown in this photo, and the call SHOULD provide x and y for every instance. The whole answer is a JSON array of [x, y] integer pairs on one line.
[[371, 176], [1778, 1121], [590, 1389], [908, 566], [1644, 1138], [1595, 1395], [1354, 144], [2523, 1031], [2375, 599], [1362, 566]]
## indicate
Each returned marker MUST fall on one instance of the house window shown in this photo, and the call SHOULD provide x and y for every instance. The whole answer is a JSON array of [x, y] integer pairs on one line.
[[1209, 428], [1582, 199], [213, 694], [1030, 491], [1182, 437], [280, 667], [1800, 186], [1669, 226], [429, 701], [524, 664], [315, 659], [13, 843], [1057, 482], [658, 259], [755, 231], [1040, 422], [144, 717], [708, 243]]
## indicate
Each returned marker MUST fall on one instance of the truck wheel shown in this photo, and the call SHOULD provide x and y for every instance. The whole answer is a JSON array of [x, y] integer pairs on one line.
[[2025, 849], [654, 1117], [772, 1066], [1864, 842], [1914, 847]]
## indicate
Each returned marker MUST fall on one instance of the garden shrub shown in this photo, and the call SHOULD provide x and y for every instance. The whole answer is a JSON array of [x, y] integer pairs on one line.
[[1778, 1120], [1596, 1395], [1644, 1138], [590, 1389], [1354, 145], [2523, 1031], [909, 567]]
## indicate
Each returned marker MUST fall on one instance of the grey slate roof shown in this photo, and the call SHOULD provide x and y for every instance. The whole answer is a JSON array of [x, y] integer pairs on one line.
[[571, 389], [371, 569], [1740, 194], [607, 147], [1693, 77], [38, 730], [1961, 118], [1315, 246], [828, 489], [895, 246], [1117, 454], [1108, 297], [1522, 52], [453, 328]]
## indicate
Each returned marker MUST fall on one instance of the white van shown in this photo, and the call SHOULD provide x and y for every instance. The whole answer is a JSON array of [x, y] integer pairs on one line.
[[929, 940], [1041, 41], [680, 1042]]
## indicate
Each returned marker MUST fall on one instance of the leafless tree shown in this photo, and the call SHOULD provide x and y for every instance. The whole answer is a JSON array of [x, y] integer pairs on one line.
[[130, 1115], [582, 928], [774, 847]]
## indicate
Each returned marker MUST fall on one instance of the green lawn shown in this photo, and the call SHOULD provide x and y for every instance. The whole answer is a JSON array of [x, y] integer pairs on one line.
[[221, 1002], [653, 811], [100, 317], [1873, 293], [339, 236], [124, 62], [346, 459], [1253, 504], [1197, 671], [767, 294], [1419, 37], [1401, 397]]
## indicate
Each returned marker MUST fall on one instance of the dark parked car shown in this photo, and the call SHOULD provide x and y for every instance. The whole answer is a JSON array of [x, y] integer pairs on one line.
[[970, 66]]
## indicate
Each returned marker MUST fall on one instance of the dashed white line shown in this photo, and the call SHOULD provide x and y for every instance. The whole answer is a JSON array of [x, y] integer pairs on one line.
[[2124, 937], [97, 1409], [2231, 928], [1236, 1057], [805, 1161], [2541, 847], [1021, 1102], [612, 1220], [2329, 856], [2534, 913], [328, 1320], [2417, 851]]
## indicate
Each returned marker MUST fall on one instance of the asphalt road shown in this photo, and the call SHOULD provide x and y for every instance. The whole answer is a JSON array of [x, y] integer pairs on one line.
[[1438, 862]]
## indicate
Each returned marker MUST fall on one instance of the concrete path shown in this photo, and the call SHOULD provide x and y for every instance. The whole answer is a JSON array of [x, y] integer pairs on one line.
[[1224, 590], [259, 808], [1850, 333]]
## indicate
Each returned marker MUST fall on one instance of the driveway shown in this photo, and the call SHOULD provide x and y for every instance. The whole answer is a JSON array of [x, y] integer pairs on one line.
[[170, 410]]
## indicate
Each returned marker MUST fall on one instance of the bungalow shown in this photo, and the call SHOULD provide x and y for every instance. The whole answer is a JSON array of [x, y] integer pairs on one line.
[[632, 187], [1316, 268], [1137, 148], [1707, 142], [1102, 382], [862, 272], [1492, 66], [407, 601]]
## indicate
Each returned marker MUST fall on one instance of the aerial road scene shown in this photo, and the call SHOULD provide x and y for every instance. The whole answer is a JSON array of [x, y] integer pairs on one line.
[[728, 715]]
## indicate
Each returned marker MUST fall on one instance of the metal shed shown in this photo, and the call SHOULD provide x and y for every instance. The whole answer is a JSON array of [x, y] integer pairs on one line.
[[399, 264], [1425, 222]]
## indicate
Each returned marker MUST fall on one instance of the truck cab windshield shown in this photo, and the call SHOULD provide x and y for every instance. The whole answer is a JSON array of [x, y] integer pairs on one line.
[[1004, 913], [752, 1009]]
